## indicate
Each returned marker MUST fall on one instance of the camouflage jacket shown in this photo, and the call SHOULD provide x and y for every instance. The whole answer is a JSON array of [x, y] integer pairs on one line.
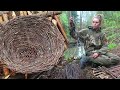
[[94, 40]]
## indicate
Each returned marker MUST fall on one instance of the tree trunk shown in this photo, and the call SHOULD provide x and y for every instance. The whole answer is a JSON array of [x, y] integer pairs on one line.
[[80, 20]]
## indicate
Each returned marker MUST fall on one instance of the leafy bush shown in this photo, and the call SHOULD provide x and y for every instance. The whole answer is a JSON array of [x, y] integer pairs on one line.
[[112, 45]]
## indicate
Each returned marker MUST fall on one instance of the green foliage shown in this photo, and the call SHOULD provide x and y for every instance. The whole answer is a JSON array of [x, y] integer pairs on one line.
[[65, 23], [112, 45], [111, 19], [64, 20], [112, 25]]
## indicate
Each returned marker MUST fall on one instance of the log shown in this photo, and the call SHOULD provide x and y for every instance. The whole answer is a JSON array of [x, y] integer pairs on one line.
[[5, 17], [50, 18], [13, 14], [49, 13], [35, 12], [10, 15], [61, 28], [1, 19], [54, 22], [21, 13], [25, 13], [17, 13], [3, 12], [29, 13], [34, 47], [12, 73], [6, 71]]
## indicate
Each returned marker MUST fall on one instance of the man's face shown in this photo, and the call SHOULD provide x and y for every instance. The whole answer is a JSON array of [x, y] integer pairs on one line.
[[95, 23]]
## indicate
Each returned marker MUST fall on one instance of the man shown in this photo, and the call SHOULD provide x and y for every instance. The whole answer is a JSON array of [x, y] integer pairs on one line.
[[96, 45]]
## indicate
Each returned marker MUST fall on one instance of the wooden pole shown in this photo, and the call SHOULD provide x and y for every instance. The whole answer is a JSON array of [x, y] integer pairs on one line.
[[61, 28]]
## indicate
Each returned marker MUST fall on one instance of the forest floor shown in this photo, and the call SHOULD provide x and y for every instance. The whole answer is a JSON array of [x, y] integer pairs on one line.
[[116, 51], [87, 72]]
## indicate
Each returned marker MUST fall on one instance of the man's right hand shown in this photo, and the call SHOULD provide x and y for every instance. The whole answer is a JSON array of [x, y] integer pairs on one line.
[[94, 55]]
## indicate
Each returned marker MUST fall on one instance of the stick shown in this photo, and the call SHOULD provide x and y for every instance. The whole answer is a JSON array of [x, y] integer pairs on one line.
[[107, 71], [65, 46], [61, 28]]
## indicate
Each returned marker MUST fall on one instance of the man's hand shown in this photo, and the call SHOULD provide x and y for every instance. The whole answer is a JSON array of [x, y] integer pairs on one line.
[[95, 55]]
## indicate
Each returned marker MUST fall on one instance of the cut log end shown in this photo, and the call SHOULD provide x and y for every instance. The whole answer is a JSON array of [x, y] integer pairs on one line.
[[32, 44]]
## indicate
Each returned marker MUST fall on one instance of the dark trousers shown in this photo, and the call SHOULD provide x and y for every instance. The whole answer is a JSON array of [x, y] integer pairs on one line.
[[73, 34]]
